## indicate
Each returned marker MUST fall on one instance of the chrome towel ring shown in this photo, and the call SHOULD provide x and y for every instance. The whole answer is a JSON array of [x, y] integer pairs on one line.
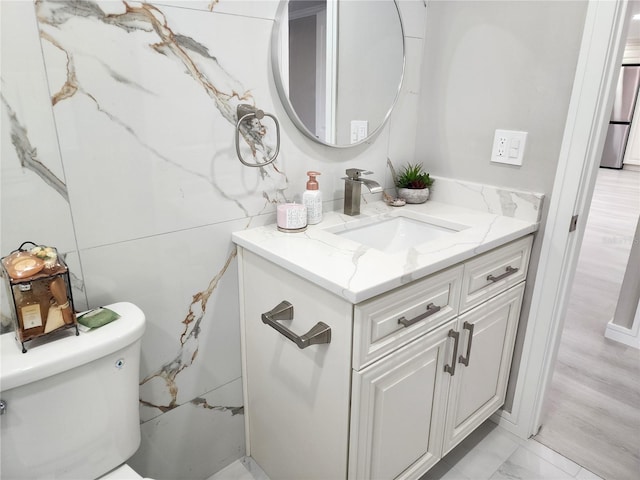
[[246, 113]]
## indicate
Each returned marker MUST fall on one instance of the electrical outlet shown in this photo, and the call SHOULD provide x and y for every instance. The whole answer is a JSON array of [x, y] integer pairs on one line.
[[508, 147], [501, 149]]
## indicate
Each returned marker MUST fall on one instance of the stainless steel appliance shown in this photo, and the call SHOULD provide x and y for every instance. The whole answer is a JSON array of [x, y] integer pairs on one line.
[[621, 117]]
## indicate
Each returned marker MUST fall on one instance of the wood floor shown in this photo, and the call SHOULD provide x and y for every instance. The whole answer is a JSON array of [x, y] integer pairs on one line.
[[592, 409]]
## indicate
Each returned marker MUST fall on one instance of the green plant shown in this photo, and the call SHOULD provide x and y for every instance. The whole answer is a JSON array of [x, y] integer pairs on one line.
[[413, 176]]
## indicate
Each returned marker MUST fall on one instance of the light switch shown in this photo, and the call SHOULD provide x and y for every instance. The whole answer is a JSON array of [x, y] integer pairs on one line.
[[508, 147], [359, 130]]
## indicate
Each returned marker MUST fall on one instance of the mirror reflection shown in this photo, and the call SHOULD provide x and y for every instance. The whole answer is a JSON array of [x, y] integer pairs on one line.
[[338, 66]]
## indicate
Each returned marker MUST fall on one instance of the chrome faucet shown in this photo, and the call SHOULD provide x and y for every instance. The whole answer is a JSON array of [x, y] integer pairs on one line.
[[352, 189]]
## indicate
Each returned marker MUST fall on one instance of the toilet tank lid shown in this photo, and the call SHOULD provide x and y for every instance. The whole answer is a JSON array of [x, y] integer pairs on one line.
[[51, 358]]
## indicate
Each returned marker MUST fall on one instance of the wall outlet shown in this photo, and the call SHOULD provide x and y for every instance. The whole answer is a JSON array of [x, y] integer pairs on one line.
[[508, 147], [501, 146]]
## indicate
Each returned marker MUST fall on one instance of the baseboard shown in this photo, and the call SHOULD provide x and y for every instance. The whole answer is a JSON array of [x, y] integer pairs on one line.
[[623, 335]]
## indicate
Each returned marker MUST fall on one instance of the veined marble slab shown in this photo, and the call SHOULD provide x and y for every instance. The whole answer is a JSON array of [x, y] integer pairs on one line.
[[357, 272], [502, 201]]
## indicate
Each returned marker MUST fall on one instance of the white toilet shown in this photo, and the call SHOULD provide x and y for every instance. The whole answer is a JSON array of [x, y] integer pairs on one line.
[[70, 406]]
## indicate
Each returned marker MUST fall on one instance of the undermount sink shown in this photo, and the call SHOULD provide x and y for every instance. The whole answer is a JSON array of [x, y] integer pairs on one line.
[[394, 234]]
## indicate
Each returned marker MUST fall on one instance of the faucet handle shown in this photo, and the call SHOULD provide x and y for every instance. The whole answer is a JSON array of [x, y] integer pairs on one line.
[[355, 173]]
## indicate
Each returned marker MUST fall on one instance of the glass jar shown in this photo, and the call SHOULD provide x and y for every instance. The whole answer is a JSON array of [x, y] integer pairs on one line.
[[28, 308]]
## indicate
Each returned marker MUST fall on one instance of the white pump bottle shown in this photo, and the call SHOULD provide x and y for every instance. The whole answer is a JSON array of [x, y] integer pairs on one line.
[[312, 199]]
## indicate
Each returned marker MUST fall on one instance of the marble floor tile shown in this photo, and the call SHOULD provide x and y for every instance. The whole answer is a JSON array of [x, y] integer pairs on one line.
[[524, 464], [243, 469], [585, 474], [235, 471], [444, 471], [563, 463], [474, 459], [483, 451]]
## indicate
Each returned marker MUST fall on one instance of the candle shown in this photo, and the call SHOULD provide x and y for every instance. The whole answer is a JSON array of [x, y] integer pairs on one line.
[[292, 217]]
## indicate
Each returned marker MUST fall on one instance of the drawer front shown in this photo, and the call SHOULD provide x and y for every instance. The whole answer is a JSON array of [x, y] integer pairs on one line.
[[494, 272], [388, 321]]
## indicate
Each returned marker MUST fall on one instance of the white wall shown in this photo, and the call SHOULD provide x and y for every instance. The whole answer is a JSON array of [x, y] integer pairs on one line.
[[626, 310], [497, 65], [491, 65]]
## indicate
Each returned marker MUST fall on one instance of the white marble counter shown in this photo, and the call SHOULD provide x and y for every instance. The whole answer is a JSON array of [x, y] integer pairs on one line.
[[357, 272]]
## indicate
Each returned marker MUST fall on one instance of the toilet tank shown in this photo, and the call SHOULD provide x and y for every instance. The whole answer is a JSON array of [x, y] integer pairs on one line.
[[72, 407]]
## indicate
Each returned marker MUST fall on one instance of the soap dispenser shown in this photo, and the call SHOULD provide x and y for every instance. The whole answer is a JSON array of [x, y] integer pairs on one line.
[[312, 199]]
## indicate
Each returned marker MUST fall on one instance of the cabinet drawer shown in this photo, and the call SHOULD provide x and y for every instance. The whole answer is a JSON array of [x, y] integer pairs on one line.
[[494, 272], [388, 321]]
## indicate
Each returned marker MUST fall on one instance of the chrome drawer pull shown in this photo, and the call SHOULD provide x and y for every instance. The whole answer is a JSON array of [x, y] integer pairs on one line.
[[509, 271], [452, 368], [319, 333], [462, 359], [431, 309]]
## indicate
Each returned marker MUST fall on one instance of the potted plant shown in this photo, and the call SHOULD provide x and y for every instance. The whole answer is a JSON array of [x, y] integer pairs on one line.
[[413, 184]]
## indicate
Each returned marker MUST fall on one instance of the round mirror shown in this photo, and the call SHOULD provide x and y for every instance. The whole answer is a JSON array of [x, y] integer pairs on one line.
[[338, 66]]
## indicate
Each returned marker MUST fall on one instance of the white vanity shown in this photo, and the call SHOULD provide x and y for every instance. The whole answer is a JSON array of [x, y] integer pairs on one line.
[[414, 344]]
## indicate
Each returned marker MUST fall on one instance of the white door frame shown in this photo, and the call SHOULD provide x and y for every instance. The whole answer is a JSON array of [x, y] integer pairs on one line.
[[589, 112]]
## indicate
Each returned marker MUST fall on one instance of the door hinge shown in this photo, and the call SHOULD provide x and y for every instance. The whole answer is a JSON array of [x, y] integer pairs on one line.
[[574, 223]]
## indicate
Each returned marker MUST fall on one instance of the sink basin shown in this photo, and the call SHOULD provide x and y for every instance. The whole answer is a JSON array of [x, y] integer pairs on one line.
[[395, 234]]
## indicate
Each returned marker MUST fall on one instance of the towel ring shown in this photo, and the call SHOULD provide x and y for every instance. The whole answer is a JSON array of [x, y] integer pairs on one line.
[[246, 112]]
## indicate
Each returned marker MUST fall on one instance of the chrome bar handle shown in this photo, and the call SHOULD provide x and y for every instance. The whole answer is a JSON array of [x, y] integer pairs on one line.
[[509, 271], [452, 368], [431, 309], [465, 359], [246, 112], [320, 333], [3, 407]]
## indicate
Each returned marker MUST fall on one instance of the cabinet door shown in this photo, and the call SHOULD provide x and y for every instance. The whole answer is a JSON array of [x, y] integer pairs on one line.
[[479, 384], [297, 400], [397, 406]]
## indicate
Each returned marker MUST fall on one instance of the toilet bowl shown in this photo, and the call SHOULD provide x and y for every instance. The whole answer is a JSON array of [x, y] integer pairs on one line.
[[71, 405]]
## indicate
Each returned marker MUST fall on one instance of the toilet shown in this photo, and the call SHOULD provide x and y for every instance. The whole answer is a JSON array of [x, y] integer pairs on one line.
[[70, 406]]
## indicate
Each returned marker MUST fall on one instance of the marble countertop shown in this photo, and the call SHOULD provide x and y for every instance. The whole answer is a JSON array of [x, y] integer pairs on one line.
[[357, 272]]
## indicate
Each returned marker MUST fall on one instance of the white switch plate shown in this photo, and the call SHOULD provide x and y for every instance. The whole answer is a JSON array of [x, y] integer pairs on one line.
[[508, 147], [359, 130]]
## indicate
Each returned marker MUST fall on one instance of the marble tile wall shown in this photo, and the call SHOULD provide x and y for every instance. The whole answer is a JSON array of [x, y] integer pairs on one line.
[[118, 148]]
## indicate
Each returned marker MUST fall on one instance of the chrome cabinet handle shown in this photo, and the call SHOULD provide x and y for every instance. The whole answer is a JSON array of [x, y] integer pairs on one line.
[[465, 359], [509, 271], [452, 368], [3, 407], [431, 309], [319, 333]]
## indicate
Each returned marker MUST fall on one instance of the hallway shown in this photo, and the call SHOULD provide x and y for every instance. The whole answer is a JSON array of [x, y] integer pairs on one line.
[[592, 409]]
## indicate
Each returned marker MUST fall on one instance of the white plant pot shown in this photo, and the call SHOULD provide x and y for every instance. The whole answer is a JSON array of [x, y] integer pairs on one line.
[[414, 195]]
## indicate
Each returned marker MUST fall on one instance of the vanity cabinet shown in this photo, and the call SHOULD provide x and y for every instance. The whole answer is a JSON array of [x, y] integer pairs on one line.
[[404, 378]]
